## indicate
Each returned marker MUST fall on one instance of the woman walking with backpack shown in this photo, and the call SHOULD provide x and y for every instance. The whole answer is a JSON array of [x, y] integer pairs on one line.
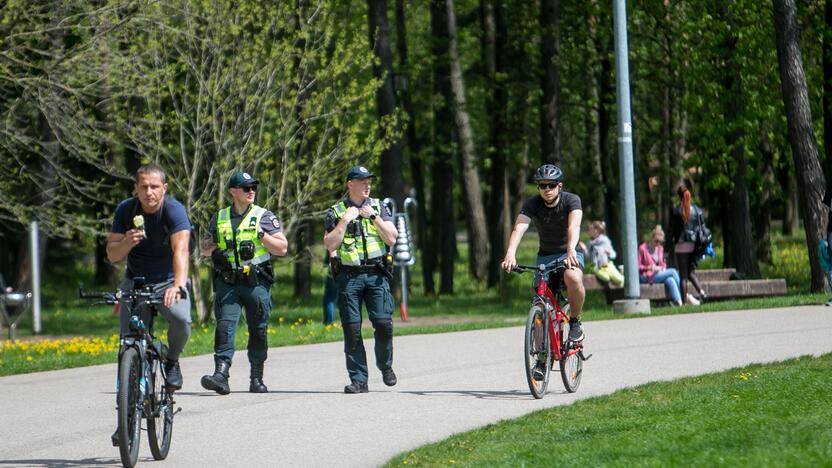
[[684, 224]]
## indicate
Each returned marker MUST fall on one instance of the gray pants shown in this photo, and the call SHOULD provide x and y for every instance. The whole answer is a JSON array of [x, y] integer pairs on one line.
[[178, 317]]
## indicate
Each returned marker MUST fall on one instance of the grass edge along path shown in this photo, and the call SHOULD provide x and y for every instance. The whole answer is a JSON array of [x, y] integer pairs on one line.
[[757, 415], [53, 353]]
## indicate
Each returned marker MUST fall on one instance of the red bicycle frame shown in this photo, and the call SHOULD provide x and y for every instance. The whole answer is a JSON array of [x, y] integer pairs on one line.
[[549, 301]]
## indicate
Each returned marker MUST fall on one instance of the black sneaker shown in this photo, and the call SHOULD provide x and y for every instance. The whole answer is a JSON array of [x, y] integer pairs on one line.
[[389, 377], [539, 371], [114, 438], [356, 387], [576, 332], [173, 375]]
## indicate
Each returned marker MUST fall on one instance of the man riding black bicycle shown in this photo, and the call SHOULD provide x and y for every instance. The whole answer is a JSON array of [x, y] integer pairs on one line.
[[153, 232], [557, 216]]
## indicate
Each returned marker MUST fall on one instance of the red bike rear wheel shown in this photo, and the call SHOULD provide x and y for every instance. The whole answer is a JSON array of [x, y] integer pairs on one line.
[[571, 367]]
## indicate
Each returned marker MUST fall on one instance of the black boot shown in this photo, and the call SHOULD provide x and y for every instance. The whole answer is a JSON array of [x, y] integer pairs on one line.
[[257, 385], [389, 377], [356, 386], [219, 381], [173, 375]]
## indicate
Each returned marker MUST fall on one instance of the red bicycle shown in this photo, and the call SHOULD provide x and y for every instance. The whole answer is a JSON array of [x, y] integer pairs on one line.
[[547, 332]]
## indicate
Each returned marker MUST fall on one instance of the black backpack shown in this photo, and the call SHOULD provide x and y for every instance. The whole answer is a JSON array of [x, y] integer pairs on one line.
[[701, 235]]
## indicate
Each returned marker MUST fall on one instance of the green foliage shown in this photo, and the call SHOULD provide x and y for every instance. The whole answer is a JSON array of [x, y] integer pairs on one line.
[[285, 90], [203, 88]]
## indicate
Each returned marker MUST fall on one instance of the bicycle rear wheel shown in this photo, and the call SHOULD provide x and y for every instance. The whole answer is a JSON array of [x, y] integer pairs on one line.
[[160, 423], [129, 407], [571, 367], [537, 352]]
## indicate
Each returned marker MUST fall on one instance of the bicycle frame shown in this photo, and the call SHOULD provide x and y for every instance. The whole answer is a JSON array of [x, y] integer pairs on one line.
[[142, 305], [550, 302]]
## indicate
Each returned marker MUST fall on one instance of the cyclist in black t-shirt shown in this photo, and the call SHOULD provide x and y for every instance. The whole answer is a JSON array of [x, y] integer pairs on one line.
[[557, 216]]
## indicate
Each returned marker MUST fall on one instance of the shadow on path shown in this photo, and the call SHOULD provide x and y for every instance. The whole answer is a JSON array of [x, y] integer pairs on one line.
[[483, 394], [59, 463]]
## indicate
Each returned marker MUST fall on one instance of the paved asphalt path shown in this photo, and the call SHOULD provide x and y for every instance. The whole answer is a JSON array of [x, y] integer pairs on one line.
[[448, 383]]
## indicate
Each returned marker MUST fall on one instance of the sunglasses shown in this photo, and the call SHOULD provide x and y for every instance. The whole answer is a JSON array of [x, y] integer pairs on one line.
[[252, 188], [546, 186]]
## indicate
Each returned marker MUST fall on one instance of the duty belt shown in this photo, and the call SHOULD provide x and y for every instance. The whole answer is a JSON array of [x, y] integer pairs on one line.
[[373, 267]]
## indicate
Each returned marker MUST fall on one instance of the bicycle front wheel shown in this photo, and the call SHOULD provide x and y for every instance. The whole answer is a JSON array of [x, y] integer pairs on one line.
[[129, 407], [160, 423], [571, 367], [537, 352]]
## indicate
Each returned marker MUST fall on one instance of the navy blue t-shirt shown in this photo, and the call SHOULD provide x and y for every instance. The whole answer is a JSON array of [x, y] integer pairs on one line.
[[152, 258]]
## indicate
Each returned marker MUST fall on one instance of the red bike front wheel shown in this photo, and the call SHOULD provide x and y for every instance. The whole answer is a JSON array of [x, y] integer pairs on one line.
[[537, 351]]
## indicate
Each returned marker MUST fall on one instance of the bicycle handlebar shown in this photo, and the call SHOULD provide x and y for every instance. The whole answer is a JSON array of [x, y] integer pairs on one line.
[[146, 293], [556, 266], [109, 297]]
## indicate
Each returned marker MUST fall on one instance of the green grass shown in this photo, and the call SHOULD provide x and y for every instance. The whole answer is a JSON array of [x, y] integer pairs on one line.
[[760, 415]]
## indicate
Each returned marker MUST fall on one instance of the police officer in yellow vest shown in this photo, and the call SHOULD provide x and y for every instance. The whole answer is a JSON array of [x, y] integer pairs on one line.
[[243, 237], [359, 229]]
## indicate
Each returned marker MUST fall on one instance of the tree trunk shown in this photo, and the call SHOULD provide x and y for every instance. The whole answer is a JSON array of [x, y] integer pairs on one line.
[[494, 44], [303, 260], [677, 162], [609, 166], [478, 254], [301, 237], [443, 235], [762, 226], [827, 94], [414, 145], [791, 217], [667, 181], [550, 80], [737, 232], [799, 116], [45, 184], [592, 145], [104, 271], [392, 181]]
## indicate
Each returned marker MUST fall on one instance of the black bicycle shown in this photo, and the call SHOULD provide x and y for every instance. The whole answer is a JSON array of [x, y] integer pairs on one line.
[[140, 388]]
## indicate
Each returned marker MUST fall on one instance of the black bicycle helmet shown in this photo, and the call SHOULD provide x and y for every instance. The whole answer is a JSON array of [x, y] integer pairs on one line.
[[548, 172]]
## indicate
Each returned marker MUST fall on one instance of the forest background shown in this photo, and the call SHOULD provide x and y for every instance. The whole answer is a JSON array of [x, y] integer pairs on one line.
[[453, 102]]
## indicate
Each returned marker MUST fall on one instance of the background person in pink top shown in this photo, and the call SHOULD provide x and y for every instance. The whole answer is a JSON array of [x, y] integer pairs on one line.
[[652, 266]]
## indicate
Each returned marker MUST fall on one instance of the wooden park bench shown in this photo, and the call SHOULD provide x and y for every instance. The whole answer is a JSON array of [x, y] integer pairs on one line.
[[717, 284]]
